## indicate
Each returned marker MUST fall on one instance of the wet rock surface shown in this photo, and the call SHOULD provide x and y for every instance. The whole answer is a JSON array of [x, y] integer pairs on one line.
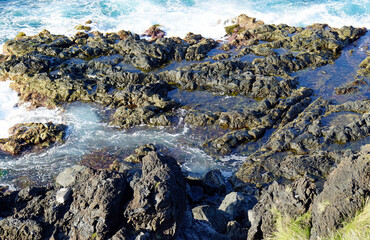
[[293, 142], [32, 136], [298, 148]]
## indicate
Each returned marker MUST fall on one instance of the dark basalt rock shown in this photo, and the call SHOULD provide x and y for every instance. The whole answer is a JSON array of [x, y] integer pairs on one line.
[[237, 205], [315, 165], [158, 204], [217, 218], [344, 193], [148, 56], [49, 43], [318, 45], [105, 193], [78, 80], [292, 200], [214, 182], [20, 229], [251, 125], [306, 134], [228, 77], [85, 206], [32, 136], [147, 197], [140, 153]]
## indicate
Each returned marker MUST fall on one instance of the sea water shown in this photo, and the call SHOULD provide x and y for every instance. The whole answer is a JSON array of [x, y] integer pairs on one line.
[[87, 130], [177, 17]]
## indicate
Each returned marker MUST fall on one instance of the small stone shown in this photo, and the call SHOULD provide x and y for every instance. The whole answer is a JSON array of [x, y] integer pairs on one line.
[[63, 195], [218, 219], [82, 28], [213, 181], [68, 176]]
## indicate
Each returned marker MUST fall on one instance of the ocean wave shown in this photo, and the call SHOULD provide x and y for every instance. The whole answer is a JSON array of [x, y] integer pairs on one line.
[[178, 17]]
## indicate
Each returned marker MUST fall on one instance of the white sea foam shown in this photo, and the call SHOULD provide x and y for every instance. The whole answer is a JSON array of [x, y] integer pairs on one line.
[[11, 113], [176, 17]]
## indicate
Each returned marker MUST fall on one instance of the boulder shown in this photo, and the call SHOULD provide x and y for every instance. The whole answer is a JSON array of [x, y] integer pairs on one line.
[[292, 201], [70, 176], [32, 136], [154, 32], [237, 205], [88, 207], [159, 198], [140, 153], [346, 189], [214, 182], [95, 199], [235, 231], [217, 218]]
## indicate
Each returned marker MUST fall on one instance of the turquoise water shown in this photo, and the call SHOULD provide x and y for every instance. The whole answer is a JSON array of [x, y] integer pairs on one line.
[[177, 17]]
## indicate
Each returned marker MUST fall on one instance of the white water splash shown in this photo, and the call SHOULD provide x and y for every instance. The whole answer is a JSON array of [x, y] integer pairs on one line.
[[11, 113], [176, 17]]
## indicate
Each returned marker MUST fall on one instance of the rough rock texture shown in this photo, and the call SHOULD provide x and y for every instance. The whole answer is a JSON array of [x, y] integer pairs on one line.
[[228, 77], [344, 193], [51, 69], [112, 69], [217, 218], [285, 131], [296, 148], [159, 199], [89, 204], [237, 205], [20, 229], [291, 200], [32, 136], [104, 193], [85, 207], [214, 182], [140, 153]]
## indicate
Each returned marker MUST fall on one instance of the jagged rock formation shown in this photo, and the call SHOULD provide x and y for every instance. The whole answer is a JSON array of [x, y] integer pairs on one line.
[[32, 136], [147, 195]]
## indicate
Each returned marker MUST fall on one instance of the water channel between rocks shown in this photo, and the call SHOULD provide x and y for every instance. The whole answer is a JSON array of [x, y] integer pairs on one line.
[[89, 132]]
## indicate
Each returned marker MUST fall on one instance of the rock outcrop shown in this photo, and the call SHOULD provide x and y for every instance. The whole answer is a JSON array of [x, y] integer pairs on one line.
[[291, 200], [345, 191], [158, 204], [293, 141], [32, 136]]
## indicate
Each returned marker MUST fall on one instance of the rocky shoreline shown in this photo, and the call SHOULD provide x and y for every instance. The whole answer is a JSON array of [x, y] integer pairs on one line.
[[302, 171]]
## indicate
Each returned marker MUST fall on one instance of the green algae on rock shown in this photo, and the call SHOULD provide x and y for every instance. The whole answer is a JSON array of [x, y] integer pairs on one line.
[[32, 136]]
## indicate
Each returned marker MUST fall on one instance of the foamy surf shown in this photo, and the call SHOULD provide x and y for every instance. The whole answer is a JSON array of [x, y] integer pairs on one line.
[[176, 17], [11, 113]]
